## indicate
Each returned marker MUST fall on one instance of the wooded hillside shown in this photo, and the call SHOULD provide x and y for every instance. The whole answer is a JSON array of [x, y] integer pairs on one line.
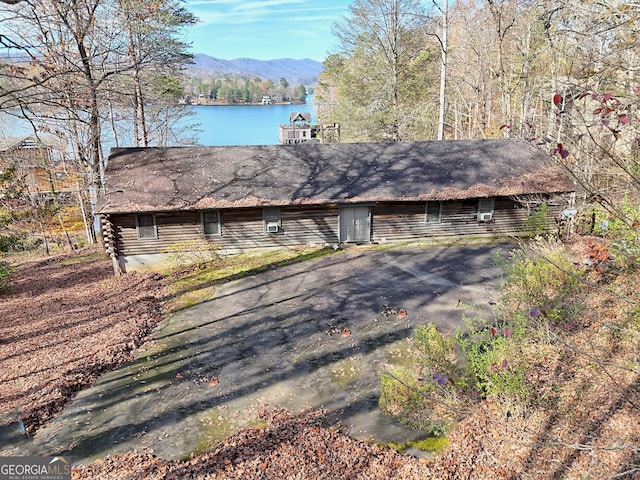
[[562, 74]]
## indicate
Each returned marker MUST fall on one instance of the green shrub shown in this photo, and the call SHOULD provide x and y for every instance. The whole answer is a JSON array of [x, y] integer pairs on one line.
[[19, 242], [406, 397], [538, 221], [624, 237], [544, 291], [435, 351], [542, 273], [543, 298], [5, 274], [192, 252], [497, 364], [432, 394]]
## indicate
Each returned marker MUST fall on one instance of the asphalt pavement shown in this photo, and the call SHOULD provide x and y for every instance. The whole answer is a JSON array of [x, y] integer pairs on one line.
[[309, 335]]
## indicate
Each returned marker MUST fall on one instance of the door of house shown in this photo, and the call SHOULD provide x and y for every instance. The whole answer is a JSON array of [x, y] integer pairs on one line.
[[355, 224]]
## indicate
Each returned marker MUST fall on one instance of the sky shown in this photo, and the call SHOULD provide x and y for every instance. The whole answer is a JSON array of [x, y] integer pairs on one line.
[[265, 29]]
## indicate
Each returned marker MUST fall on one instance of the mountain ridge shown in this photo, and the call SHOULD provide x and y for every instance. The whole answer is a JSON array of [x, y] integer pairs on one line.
[[296, 71]]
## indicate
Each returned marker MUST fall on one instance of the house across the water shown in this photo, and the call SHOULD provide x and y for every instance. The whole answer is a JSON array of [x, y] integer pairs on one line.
[[252, 197], [39, 162], [298, 130]]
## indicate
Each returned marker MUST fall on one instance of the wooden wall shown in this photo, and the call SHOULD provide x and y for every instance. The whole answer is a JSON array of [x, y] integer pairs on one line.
[[405, 221], [243, 229]]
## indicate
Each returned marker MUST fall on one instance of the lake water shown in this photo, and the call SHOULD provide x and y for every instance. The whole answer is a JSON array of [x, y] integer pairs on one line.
[[216, 124], [244, 124]]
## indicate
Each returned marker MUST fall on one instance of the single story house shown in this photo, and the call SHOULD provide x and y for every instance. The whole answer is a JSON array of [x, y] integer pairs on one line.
[[247, 197]]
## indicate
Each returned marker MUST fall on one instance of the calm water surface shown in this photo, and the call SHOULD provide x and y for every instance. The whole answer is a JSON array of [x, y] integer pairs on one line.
[[216, 125], [244, 124]]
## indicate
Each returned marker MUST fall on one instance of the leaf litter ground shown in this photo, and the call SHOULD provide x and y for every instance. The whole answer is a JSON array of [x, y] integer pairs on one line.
[[63, 325]]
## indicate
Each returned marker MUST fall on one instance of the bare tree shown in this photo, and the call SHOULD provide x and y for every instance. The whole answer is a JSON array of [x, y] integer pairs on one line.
[[72, 61]]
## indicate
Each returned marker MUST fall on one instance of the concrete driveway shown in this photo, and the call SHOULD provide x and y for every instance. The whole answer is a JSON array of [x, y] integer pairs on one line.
[[314, 334]]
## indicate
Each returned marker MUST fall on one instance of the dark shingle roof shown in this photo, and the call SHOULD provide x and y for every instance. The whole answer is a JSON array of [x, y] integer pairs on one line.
[[180, 178]]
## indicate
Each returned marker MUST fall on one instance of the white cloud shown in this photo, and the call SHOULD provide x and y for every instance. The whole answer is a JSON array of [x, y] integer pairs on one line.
[[236, 12], [264, 28]]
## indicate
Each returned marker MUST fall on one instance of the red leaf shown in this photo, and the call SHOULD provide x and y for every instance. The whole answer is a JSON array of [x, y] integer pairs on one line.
[[624, 119], [597, 111], [582, 95], [607, 97], [557, 99], [502, 127], [493, 331]]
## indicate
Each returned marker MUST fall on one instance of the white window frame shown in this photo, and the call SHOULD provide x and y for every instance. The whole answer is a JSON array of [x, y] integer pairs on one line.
[[218, 231], [426, 212], [139, 227]]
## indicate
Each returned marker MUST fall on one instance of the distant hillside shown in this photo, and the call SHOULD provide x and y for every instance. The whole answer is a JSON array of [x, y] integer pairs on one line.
[[298, 72]]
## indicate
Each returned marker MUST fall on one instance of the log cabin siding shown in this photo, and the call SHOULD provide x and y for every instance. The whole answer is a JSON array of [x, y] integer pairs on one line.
[[406, 221], [311, 225], [243, 228], [240, 229], [172, 228]]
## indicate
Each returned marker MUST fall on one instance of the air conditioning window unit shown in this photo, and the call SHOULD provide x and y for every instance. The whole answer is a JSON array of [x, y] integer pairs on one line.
[[486, 216], [273, 227]]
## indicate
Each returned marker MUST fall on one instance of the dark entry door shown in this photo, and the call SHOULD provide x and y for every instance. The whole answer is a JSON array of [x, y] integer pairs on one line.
[[355, 224]]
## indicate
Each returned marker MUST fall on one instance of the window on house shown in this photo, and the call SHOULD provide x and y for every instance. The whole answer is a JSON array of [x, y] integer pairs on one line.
[[433, 212], [211, 223], [146, 226], [271, 219], [485, 209]]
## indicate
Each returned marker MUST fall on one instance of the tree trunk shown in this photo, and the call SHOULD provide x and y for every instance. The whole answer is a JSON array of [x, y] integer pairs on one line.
[[443, 69], [139, 123]]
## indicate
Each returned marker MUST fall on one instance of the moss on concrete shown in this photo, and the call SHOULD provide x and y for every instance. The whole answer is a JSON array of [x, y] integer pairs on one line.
[[428, 444]]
